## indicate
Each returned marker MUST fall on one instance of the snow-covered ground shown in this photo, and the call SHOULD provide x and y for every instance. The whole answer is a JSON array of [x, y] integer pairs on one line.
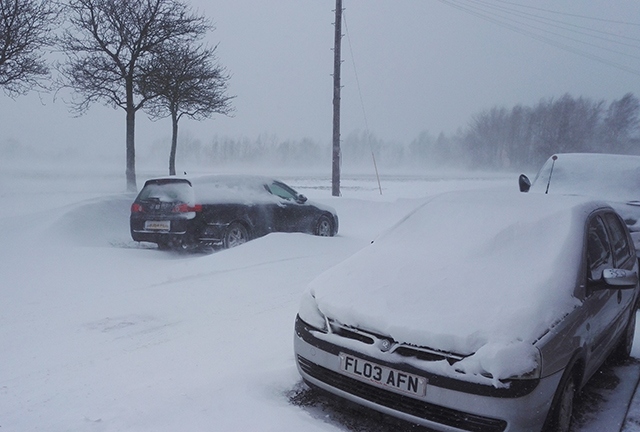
[[98, 333]]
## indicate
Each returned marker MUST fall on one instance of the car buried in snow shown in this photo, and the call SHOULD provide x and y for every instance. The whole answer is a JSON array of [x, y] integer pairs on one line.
[[223, 210], [479, 311], [611, 177]]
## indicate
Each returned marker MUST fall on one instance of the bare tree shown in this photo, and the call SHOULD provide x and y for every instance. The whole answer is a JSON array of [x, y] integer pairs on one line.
[[188, 81], [622, 123], [25, 28], [108, 44]]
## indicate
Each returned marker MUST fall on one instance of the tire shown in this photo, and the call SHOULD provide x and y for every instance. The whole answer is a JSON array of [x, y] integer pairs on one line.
[[235, 235], [561, 412], [324, 227], [622, 351]]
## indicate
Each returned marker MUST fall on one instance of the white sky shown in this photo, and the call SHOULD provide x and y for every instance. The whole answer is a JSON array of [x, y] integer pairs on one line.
[[421, 65]]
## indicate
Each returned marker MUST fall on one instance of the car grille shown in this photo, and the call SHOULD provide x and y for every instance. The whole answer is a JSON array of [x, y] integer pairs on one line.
[[404, 350], [414, 407]]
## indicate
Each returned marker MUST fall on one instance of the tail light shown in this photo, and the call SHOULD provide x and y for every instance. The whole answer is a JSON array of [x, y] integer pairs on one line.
[[186, 208], [136, 208]]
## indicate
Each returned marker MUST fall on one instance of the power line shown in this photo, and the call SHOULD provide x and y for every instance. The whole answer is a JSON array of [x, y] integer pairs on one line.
[[570, 14], [562, 24], [517, 26]]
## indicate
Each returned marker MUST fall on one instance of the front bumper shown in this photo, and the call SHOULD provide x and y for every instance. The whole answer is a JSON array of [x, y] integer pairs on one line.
[[449, 404]]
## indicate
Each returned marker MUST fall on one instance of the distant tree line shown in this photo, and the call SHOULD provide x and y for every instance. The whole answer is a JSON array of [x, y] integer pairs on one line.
[[526, 136], [495, 139]]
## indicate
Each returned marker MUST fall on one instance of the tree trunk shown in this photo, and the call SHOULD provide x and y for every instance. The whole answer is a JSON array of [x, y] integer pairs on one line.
[[131, 136], [174, 144], [131, 150]]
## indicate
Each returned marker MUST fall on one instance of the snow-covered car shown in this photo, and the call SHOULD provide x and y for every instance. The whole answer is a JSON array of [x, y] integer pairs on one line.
[[610, 177], [225, 210], [479, 311]]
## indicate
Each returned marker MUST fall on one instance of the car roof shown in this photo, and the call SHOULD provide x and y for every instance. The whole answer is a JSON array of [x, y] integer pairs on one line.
[[463, 269], [609, 176], [234, 179], [224, 188]]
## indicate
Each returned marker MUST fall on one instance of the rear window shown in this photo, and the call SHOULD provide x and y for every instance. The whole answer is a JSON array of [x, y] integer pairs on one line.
[[168, 192]]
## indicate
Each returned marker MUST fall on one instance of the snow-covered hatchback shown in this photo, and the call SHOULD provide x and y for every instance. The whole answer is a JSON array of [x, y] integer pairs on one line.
[[479, 311], [225, 210]]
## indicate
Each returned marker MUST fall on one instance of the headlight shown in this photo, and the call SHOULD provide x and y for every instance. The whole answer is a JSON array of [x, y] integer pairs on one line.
[[503, 362], [310, 313]]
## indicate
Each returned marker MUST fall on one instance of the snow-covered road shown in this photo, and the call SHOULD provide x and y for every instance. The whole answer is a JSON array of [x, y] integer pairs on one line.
[[99, 333]]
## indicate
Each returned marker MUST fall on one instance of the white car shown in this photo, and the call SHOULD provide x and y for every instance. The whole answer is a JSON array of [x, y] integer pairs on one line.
[[480, 311]]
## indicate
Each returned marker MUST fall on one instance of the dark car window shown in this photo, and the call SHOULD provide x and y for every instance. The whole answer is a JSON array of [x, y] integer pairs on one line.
[[598, 250], [619, 240], [282, 191]]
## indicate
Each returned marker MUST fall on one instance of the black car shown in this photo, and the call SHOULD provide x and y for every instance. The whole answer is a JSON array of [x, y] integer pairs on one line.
[[223, 210]]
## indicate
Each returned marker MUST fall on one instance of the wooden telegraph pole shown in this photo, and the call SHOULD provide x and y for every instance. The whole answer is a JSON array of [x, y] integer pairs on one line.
[[335, 178]]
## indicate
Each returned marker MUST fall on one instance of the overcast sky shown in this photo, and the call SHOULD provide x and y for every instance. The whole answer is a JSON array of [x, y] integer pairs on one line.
[[421, 65]]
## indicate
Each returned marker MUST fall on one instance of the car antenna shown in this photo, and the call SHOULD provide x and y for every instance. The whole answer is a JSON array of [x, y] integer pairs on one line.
[[554, 157]]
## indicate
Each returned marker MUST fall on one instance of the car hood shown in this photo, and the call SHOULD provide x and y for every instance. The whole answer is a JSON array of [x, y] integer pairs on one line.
[[464, 270]]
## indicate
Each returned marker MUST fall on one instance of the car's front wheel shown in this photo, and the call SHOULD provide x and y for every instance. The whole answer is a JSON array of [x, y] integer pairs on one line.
[[324, 227], [562, 409], [235, 235]]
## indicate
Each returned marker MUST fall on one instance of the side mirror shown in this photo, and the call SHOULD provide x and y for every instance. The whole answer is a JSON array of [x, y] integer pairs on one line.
[[620, 278], [524, 183], [615, 279], [301, 199]]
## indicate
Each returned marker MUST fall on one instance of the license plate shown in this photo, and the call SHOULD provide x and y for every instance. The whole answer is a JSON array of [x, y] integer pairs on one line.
[[382, 376], [157, 225]]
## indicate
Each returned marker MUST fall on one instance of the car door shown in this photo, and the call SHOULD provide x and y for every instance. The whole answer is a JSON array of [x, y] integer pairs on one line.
[[290, 215], [600, 304], [624, 257]]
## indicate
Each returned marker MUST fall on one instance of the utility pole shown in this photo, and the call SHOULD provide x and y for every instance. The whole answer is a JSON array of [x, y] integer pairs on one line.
[[335, 178]]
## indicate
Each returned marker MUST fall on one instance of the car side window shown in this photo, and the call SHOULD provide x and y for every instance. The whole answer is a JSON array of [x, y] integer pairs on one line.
[[599, 255], [279, 190], [619, 241]]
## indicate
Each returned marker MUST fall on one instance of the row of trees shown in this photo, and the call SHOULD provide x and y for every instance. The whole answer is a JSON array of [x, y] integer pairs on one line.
[[130, 54], [520, 138]]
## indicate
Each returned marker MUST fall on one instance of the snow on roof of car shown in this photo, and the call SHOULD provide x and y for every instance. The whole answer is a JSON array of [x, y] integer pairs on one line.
[[463, 270], [228, 188], [607, 176]]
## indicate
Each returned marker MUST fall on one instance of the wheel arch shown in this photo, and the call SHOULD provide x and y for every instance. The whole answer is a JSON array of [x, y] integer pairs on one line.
[[575, 369]]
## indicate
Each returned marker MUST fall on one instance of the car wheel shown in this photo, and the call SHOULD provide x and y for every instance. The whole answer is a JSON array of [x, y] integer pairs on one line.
[[324, 227], [561, 413], [235, 235], [623, 350]]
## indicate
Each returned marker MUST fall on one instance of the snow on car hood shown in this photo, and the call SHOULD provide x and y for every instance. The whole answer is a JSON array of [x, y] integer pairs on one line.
[[464, 270]]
